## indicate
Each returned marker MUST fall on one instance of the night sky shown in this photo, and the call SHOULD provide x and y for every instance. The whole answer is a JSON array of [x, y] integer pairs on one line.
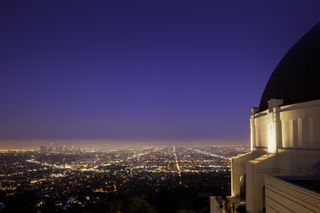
[[140, 70]]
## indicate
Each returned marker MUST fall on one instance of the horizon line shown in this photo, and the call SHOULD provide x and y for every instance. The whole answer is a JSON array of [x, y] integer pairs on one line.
[[36, 143]]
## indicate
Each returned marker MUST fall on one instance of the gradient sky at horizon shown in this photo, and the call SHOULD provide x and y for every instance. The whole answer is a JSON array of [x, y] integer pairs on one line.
[[140, 70]]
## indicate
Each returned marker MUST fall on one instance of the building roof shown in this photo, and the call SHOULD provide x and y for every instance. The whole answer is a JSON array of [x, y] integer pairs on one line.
[[309, 182], [297, 76]]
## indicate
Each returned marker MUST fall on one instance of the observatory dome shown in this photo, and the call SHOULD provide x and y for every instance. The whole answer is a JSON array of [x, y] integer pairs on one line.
[[297, 77]]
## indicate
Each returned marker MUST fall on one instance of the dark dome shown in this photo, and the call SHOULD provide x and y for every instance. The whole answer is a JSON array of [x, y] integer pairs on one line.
[[297, 77]]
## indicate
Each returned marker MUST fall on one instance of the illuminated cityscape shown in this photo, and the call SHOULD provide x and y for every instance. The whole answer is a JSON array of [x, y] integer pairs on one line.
[[159, 106], [69, 178]]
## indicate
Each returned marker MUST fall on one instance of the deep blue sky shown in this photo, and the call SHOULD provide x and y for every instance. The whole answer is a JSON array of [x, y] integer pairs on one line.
[[140, 70]]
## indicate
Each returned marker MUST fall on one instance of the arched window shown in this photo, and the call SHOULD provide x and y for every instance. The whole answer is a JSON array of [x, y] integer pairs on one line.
[[243, 187]]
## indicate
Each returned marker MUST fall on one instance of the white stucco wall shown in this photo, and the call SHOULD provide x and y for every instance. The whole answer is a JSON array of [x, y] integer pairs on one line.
[[295, 130], [300, 125]]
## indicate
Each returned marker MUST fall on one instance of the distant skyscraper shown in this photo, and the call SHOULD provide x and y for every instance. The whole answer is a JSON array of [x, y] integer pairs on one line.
[[43, 149], [282, 171]]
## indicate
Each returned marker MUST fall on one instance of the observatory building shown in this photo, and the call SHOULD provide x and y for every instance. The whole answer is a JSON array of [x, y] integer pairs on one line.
[[282, 171]]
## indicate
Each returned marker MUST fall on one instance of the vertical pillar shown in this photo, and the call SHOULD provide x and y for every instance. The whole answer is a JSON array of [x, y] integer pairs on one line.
[[274, 128], [277, 127], [254, 110]]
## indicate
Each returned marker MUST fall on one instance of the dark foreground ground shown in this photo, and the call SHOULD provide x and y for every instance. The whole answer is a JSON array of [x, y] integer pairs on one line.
[[193, 196]]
